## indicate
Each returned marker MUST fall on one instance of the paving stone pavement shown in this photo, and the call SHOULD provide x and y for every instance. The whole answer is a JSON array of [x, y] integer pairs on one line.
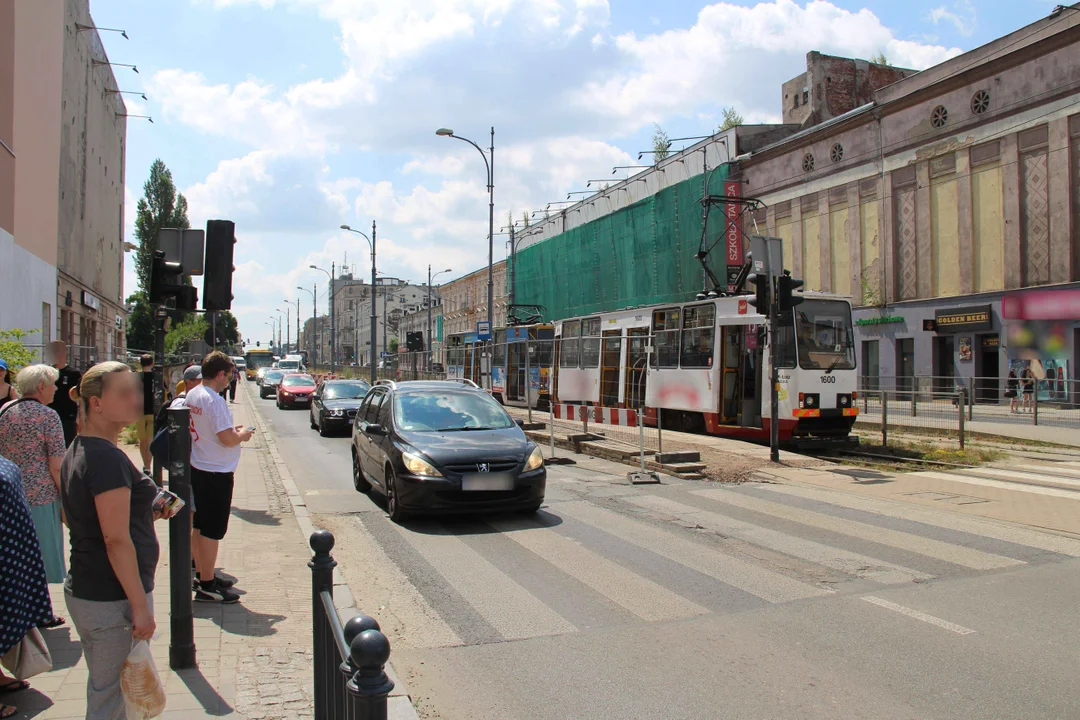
[[254, 658]]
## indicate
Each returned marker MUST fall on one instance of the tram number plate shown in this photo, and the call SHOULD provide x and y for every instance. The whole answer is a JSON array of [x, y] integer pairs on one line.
[[827, 379]]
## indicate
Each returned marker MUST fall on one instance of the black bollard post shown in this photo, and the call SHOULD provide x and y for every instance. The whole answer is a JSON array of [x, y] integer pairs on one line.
[[181, 620], [324, 644], [346, 670], [370, 685]]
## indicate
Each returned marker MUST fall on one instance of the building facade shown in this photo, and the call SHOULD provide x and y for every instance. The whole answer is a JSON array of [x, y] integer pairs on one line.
[[7, 139], [464, 300], [68, 139], [352, 308], [931, 204], [416, 318]]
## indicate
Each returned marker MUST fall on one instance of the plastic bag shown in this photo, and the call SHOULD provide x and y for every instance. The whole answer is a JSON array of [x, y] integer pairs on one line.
[[144, 695]]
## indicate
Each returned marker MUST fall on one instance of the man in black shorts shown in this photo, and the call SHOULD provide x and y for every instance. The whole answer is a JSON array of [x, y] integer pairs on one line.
[[215, 453]]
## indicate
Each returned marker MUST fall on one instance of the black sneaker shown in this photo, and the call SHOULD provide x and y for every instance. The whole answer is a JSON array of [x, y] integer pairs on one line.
[[223, 582], [213, 592]]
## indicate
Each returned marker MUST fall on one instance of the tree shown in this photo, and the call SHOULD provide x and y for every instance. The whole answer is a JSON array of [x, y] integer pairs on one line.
[[160, 207], [525, 217], [15, 352], [661, 144], [879, 58], [731, 119], [227, 326], [392, 346], [140, 323], [178, 337]]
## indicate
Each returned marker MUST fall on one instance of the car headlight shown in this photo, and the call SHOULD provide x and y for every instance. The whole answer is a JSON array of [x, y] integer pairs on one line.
[[535, 461], [418, 466], [335, 413]]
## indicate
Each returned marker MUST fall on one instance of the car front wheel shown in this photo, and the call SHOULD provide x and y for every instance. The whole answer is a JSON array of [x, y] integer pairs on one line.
[[393, 505], [359, 481]]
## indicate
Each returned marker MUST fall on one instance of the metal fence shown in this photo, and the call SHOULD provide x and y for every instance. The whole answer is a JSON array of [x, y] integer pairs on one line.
[[350, 659]]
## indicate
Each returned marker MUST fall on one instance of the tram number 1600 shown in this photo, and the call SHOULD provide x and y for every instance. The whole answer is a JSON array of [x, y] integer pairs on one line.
[[826, 379]]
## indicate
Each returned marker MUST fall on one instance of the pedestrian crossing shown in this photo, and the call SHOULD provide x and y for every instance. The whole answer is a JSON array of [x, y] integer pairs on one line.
[[670, 553], [1060, 480]]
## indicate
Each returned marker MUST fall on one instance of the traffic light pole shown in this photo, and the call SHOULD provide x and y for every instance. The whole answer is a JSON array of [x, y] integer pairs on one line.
[[161, 316], [774, 391]]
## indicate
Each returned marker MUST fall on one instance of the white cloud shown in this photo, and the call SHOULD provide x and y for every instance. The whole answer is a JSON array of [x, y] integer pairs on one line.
[[961, 15]]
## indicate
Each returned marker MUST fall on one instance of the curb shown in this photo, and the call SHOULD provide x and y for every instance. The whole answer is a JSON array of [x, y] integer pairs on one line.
[[400, 701]]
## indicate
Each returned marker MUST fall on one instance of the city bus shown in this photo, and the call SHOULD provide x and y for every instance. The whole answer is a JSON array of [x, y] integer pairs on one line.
[[257, 358]]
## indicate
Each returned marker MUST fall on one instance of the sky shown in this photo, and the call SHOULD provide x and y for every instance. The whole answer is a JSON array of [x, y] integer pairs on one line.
[[293, 117]]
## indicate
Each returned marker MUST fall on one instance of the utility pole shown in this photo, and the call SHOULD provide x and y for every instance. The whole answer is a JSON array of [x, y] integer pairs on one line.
[[513, 268], [427, 365], [298, 323], [333, 315], [373, 373], [315, 323]]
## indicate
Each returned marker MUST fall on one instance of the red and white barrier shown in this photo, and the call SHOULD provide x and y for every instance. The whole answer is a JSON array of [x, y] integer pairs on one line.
[[596, 414]]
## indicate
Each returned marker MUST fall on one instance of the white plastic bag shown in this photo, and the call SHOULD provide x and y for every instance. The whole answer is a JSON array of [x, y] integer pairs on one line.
[[144, 695]]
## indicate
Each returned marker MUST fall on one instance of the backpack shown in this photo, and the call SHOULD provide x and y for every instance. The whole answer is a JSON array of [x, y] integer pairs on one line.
[[159, 446]]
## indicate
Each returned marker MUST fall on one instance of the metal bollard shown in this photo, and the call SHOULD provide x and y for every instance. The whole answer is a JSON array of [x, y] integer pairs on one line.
[[181, 619], [914, 396], [961, 414], [322, 579], [551, 424], [884, 418], [1035, 403], [659, 428], [641, 434], [370, 686], [971, 398], [584, 410]]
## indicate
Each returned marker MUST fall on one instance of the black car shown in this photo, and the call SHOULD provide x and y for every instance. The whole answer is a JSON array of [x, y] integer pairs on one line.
[[335, 403], [268, 386], [433, 447]]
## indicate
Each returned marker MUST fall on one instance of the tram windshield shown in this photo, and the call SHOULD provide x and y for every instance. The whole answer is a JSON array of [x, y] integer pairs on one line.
[[824, 335]]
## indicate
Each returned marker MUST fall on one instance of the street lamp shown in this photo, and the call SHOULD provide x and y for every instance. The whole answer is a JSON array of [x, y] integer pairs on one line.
[[287, 300], [431, 277], [371, 243], [288, 323], [330, 274], [447, 132], [271, 336], [314, 322]]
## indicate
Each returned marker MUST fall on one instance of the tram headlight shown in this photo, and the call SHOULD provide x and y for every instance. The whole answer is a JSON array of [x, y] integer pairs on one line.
[[844, 400], [809, 401]]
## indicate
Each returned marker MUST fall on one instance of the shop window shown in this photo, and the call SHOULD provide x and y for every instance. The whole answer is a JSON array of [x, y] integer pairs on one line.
[[697, 337], [665, 338]]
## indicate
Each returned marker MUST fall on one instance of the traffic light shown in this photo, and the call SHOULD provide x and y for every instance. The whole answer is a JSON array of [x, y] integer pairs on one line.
[[760, 301], [258, 343], [217, 280], [785, 286], [414, 341], [167, 281]]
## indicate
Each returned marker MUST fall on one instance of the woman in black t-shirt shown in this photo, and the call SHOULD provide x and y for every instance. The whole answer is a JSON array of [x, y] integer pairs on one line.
[[114, 549]]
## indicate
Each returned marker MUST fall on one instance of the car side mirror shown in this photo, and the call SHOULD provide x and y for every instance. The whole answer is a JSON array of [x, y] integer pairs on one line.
[[374, 429]]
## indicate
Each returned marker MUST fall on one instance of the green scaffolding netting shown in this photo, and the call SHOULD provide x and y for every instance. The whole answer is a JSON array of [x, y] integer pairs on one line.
[[638, 255]]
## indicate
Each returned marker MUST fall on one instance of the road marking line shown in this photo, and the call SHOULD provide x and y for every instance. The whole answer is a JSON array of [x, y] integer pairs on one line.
[[765, 584], [956, 554], [511, 609], [1053, 470], [888, 507], [641, 596], [1000, 484], [854, 564], [904, 610], [1011, 474]]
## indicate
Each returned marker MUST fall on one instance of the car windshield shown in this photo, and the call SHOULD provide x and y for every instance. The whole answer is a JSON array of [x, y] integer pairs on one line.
[[274, 375], [298, 380], [345, 391], [449, 411], [824, 335]]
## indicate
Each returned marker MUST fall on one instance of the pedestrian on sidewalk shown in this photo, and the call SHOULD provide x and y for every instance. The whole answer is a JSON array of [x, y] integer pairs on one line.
[[114, 549], [1012, 390], [7, 390], [144, 428], [1027, 379], [62, 403], [32, 437], [24, 594], [232, 384], [215, 453]]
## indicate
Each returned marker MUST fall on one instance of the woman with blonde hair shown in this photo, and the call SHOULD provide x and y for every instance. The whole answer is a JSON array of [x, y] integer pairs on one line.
[[32, 437], [114, 549]]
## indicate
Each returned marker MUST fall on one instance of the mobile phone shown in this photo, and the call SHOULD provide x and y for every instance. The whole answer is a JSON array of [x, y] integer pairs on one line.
[[167, 503], [251, 428]]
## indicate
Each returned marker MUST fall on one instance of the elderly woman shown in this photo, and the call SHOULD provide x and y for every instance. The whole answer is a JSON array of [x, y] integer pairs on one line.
[[24, 595], [7, 390], [114, 549], [32, 437]]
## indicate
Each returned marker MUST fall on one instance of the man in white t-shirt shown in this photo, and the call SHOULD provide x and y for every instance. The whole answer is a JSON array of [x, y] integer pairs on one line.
[[215, 453]]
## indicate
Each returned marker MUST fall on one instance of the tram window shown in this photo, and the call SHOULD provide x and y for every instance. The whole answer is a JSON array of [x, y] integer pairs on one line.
[[665, 338], [540, 352], [784, 337], [590, 352], [697, 337], [500, 348], [824, 335]]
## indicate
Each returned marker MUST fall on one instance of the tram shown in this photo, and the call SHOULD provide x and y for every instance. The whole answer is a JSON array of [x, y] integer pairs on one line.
[[522, 359], [704, 367]]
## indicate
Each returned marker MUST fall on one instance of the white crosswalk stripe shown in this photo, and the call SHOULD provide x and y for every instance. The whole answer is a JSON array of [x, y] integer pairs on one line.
[[1000, 484], [1019, 476], [815, 552], [955, 554], [639, 595], [765, 584], [1073, 472], [936, 518]]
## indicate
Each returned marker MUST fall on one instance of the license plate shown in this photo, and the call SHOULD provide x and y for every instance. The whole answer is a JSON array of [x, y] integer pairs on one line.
[[487, 481]]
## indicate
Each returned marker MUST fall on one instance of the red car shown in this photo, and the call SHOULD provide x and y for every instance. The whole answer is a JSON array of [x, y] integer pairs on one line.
[[295, 390]]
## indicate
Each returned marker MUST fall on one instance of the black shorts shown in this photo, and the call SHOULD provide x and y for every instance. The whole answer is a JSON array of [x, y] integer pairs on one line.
[[212, 495]]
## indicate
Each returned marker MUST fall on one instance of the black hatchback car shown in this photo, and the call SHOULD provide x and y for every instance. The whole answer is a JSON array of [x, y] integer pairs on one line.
[[334, 404], [436, 447]]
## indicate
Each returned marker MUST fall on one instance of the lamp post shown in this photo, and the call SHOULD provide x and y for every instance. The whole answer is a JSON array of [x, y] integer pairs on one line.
[[333, 269], [288, 323], [271, 336], [314, 321], [431, 277], [371, 243], [447, 132]]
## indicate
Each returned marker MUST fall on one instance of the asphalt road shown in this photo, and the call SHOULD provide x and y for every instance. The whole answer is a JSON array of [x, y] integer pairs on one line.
[[689, 600]]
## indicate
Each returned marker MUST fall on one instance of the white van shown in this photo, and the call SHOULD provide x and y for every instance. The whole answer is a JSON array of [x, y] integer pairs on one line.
[[292, 364]]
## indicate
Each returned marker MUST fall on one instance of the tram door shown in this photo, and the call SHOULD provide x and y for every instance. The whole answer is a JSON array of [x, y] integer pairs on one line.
[[637, 360], [515, 371], [610, 361], [729, 380]]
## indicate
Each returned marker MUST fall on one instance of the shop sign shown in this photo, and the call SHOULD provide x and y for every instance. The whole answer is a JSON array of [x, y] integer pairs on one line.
[[90, 301], [733, 239], [970, 318], [883, 320], [991, 341]]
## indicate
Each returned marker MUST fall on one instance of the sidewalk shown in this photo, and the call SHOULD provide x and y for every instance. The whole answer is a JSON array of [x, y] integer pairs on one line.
[[254, 657]]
